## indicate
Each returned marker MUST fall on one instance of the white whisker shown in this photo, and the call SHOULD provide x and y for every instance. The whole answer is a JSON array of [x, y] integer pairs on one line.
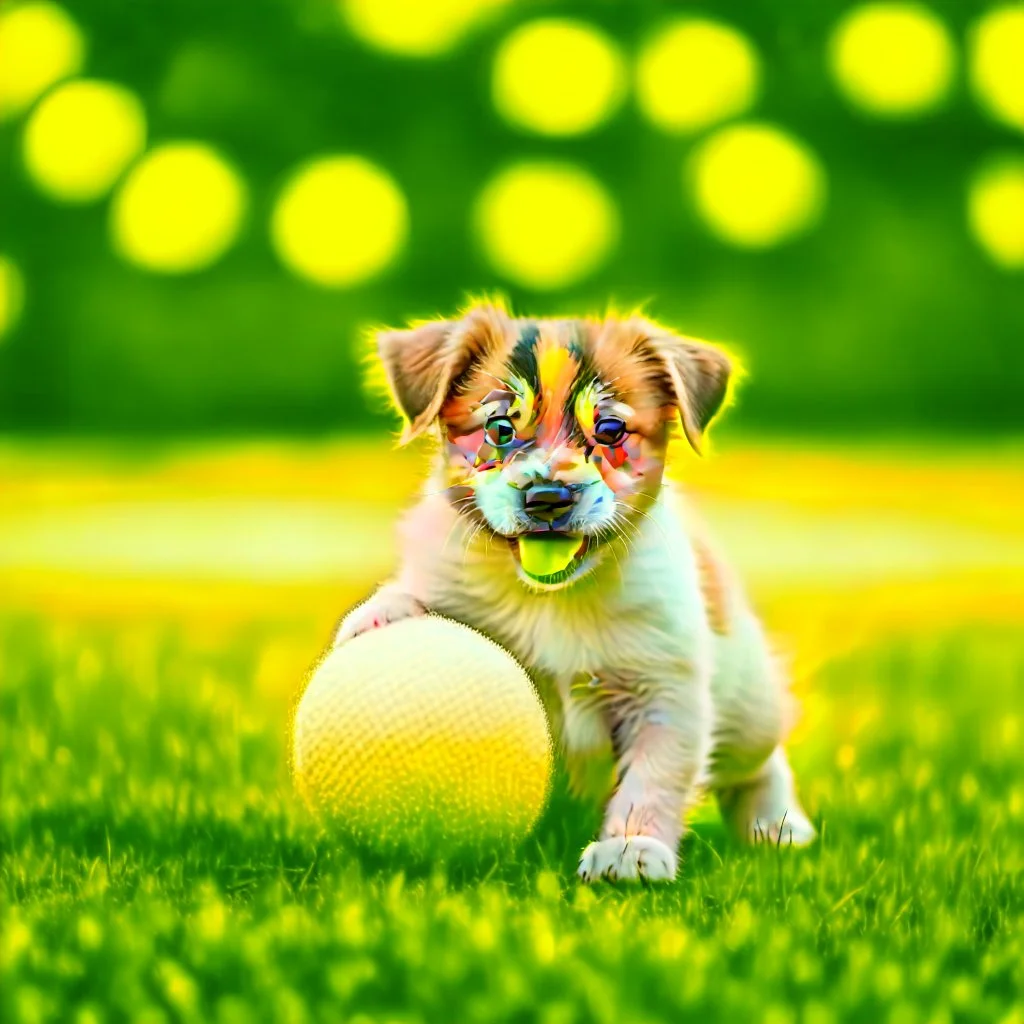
[[651, 519], [455, 525]]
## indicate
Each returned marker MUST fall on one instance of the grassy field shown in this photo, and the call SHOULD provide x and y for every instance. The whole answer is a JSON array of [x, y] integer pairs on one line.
[[156, 865]]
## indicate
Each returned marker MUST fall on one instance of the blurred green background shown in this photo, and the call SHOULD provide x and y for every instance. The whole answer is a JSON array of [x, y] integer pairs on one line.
[[204, 205]]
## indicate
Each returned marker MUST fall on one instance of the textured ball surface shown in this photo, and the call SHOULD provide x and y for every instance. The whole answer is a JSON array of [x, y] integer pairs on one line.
[[423, 736]]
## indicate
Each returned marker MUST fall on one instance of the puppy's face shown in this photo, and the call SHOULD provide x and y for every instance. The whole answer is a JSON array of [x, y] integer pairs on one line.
[[554, 430]]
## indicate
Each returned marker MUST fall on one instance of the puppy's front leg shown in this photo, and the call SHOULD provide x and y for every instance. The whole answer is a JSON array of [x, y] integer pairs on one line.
[[661, 732], [389, 604]]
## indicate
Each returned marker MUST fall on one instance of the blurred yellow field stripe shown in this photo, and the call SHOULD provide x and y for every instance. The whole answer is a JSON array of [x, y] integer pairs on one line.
[[830, 541]]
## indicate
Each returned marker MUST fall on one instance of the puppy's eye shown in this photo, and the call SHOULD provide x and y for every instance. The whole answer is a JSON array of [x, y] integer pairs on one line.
[[609, 431], [499, 431]]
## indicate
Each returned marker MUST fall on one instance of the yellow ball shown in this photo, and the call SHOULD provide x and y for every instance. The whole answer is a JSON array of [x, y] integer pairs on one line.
[[424, 737]]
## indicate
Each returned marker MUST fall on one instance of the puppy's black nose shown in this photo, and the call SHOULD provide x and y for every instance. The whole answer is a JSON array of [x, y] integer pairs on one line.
[[548, 502]]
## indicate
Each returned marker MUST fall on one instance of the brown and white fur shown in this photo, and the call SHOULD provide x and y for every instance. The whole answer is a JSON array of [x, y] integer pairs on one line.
[[648, 649]]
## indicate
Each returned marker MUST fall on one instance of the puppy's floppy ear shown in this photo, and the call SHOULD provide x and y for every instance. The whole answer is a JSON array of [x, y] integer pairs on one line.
[[417, 365], [699, 375], [423, 364]]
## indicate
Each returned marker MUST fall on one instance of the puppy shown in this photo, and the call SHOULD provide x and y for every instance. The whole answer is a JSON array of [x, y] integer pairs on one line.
[[546, 524]]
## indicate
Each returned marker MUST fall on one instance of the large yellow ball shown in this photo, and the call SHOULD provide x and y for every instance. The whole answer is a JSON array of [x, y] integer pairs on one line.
[[424, 737]]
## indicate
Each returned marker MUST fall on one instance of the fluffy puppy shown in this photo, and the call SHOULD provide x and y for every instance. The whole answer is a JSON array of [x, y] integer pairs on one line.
[[546, 524]]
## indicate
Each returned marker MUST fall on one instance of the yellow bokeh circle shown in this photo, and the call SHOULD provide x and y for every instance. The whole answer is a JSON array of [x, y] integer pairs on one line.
[[558, 77], [414, 28], [39, 45], [339, 220], [12, 294], [179, 209], [546, 225], [81, 137], [756, 185], [997, 63], [995, 210], [892, 59], [694, 73]]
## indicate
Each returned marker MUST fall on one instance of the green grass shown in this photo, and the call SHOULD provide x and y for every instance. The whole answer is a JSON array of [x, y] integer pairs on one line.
[[156, 865]]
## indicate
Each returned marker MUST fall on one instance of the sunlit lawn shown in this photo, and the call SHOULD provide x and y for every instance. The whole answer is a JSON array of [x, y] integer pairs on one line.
[[157, 614]]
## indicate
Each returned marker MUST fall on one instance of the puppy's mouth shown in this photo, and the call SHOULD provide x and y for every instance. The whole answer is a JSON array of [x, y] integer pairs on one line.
[[550, 560]]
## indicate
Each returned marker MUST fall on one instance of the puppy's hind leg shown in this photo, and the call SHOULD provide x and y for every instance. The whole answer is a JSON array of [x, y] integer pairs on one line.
[[754, 712], [765, 808]]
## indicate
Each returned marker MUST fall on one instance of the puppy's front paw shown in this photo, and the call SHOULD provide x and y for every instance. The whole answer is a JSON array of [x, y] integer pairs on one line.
[[628, 857], [384, 607]]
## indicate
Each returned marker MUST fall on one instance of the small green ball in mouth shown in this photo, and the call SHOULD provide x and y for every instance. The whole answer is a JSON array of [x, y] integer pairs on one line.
[[548, 558]]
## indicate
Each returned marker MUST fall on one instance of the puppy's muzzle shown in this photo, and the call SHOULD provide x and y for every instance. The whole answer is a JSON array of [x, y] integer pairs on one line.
[[548, 503]]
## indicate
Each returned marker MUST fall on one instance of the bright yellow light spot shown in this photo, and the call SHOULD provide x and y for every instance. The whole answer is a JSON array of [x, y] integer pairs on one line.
[[756, 185], [997, 64], [546, 225], [694, 73], [558, 77], [415, 28], [179, 209], [81, 137], [12, 294], [39, 45], [892, 59], [995, 210], [339, 220]]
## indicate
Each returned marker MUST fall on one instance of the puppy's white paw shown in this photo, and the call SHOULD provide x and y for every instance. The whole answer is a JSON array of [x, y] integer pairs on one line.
[[628, 857], [765, 809], [384, 607], [794, 829]]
